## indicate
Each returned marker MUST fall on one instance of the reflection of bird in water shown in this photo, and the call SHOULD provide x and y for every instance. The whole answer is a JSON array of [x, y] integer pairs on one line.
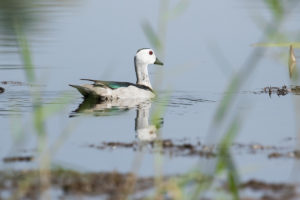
[[106, 108], [108, 90], [144, 131]]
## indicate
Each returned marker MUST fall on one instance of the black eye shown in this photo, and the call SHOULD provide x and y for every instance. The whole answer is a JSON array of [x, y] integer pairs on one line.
[[150, 52]]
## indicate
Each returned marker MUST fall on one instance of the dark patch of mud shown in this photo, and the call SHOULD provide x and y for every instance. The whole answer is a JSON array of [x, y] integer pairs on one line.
[[291, 154], [18, 159], [163, 146], [257, 147], [17, 83], [272, 191], [197, 148], [112, 185], [11, 83]]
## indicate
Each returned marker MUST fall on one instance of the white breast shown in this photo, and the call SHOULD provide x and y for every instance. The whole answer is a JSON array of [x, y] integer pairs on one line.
[[132, 92]]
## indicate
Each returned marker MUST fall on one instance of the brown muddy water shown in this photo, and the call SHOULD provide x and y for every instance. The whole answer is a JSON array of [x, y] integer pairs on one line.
[[196, 140]]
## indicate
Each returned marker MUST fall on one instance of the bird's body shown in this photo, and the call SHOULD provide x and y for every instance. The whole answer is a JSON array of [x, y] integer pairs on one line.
[[108, 90]]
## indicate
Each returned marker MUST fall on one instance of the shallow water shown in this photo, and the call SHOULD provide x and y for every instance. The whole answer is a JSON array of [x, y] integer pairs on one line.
[[187, 118], [74, 40]]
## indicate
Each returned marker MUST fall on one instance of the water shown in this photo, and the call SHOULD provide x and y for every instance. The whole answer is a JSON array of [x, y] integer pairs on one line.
[[205, 45], [188, 116]]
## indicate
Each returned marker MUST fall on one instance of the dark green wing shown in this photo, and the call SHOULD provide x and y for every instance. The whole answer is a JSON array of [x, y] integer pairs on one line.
[[110, 84], [116, 85]]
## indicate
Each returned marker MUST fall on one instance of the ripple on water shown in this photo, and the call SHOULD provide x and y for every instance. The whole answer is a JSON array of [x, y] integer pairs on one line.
[[17, 99], [176, 102]]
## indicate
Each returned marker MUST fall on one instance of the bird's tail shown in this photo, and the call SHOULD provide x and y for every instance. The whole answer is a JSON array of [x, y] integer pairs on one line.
[[83, 90]]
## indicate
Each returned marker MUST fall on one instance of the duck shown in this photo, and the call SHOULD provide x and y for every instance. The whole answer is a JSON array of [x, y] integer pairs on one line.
[[109, 90]]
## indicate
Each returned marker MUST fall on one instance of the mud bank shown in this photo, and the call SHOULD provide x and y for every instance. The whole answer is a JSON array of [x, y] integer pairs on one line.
[[113, 185]]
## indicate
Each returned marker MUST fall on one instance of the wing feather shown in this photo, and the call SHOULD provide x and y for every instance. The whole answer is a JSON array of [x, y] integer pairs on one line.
[[109, 84], [116, 84]]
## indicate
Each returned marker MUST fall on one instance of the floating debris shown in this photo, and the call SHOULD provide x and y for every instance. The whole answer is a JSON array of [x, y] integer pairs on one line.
[[18, 159], [276, 90], [280, 91], [19, 83], [167, 146], [13, 83], [291, 154], [2, 90], [186, 148]]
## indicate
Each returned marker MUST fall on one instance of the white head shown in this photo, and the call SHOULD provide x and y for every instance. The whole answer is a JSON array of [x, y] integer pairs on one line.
[[146, 56]]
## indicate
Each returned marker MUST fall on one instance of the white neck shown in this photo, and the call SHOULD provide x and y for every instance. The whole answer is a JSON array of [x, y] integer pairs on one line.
[[142, 116], [141, 70]]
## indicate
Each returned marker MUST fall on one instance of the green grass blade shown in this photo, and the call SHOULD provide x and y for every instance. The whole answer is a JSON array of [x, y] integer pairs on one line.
[[25, 53], [276, 7], [179, 9], [292, 64], [279, 44], [151, 35], [225, 161]]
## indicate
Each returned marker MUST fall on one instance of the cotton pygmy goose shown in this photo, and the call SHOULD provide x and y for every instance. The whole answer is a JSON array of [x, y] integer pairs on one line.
[[106, 90]]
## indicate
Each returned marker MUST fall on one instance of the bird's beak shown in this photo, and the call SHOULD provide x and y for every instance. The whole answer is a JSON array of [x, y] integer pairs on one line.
[[158, 62]]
